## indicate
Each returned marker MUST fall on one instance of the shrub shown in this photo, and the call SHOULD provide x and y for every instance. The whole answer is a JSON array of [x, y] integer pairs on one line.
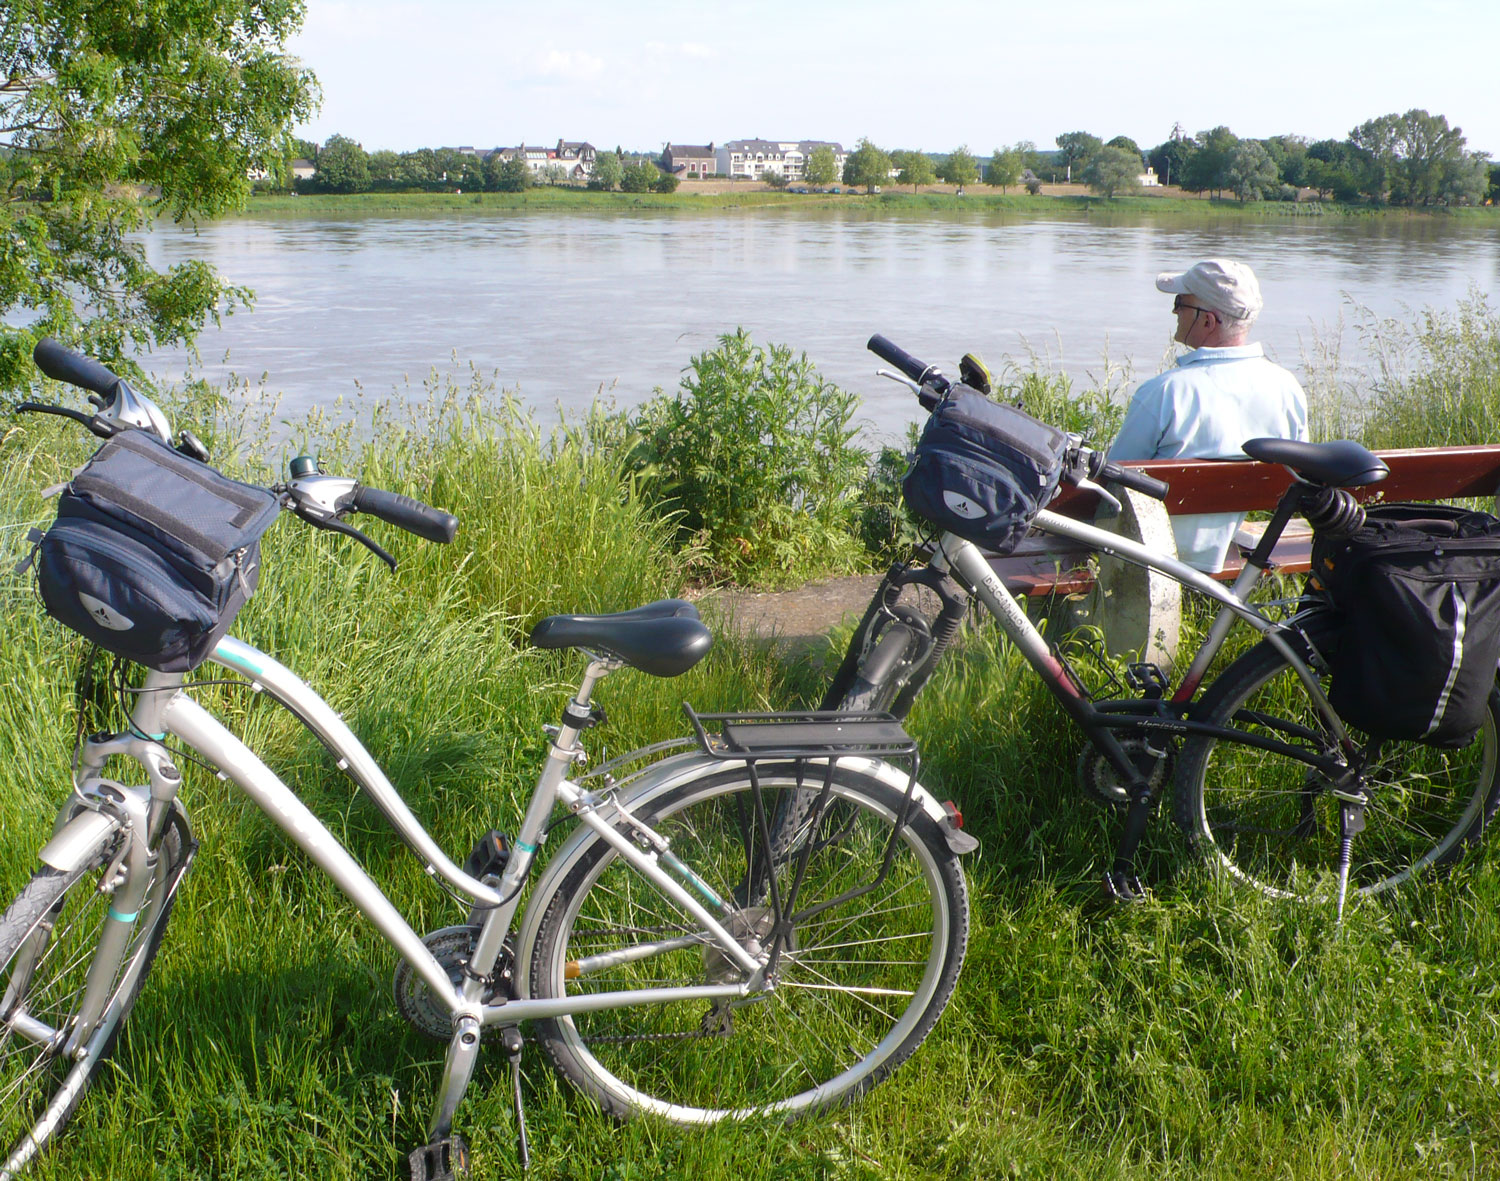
[[756, 455], [667, 182]]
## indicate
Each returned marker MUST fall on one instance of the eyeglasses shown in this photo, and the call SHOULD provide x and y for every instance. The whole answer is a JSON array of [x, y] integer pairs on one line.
[[1179, 306]]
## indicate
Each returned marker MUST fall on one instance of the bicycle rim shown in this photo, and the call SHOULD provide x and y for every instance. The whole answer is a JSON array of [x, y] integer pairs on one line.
[[48, 939], [857, 991], [1272, 822]]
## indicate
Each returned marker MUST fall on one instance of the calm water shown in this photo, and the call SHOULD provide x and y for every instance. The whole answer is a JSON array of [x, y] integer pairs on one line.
[[562, 306]]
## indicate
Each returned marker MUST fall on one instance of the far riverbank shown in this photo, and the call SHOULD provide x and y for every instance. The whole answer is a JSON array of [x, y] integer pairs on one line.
[[1067, 200]]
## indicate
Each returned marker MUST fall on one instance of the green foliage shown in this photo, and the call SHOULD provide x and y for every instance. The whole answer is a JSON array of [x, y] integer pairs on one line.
[[609, 171], [775, 179], [959, 168], [822, 166], [916, 169], [1421, 159], [1170, 158], [756, 454], [1006, 165], [639, 177], [1112, 170], [866, 166], [343, 167], [1077, 147], [507, 176], [667, 182], [1251, 173], [1124, 141], [1207, 169], [104, 107]]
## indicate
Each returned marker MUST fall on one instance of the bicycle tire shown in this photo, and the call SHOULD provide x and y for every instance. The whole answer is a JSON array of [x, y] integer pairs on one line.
[[1270, 822], [859, 991], [48, 937]]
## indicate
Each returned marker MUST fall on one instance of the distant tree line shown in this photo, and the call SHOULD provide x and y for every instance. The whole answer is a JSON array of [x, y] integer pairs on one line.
[[1411, 159], [341, 165]]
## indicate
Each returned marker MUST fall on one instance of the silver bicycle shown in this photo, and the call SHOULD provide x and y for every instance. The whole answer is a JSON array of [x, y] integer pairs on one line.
[[673, 957]]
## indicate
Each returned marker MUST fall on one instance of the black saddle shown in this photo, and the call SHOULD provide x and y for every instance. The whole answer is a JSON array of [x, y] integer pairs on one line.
[[664, 639], [1342, 463]]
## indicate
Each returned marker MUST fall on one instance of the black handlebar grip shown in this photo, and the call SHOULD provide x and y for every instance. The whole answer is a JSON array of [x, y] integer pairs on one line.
[[63, 364], [405, 513], [1134, 478], [897, 356]]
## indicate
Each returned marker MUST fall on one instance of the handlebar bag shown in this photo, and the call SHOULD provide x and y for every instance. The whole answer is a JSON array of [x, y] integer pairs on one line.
[[982, 470], [1417, 592], [152, 554]]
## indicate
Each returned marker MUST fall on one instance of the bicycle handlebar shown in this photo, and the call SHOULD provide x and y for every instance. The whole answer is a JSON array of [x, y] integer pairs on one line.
[[1083, 463], [63, 364], [427, 522]]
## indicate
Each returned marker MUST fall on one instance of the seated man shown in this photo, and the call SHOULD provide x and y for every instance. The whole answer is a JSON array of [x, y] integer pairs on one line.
[[1221, 393]]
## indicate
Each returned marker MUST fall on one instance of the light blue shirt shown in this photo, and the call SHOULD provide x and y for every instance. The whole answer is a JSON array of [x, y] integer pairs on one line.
[[1206, 408]]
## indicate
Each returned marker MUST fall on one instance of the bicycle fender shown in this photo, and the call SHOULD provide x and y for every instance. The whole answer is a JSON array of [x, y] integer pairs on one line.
[[656, 781], [75, 842]]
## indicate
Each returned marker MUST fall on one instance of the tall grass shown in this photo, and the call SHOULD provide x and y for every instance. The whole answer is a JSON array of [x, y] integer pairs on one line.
[[1204, 1033]]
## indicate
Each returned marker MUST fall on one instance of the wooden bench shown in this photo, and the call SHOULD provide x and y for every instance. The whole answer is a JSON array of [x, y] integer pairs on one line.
[[1140, 610]]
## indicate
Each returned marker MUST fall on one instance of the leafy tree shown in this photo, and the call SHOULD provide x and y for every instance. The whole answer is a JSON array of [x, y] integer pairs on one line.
[[343, 166], [1124, 141], [1033, 184], [555, 174], [1494, 190], [1414, 154], [507, 176], [867, 165], [1170, 158], [419, 168], [1289, 154], [775, 178], [1112, 170], [1076, 148], [667, 182], [1250, 172], [110, 111], [1005, 169], [959, 168], [1465, 181], [608, 171], [822, 166], [1208, 169], [916, 169], [303, 149], [639, 176], [385, 169]]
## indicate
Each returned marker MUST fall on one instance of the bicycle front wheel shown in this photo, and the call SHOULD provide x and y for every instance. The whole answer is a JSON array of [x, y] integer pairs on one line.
[[1272, 821], [49, 938], [879, 928]]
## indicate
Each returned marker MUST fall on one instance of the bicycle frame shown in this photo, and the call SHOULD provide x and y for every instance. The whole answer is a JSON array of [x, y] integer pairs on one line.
[[162, 709]]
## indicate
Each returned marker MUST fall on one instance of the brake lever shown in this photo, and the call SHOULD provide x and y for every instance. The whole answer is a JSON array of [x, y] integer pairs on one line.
[[1087, 485], [101, 427], [334, 525], [913, 386]]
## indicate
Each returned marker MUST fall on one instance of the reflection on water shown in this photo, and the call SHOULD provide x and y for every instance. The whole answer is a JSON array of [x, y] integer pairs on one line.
[[563, 306]]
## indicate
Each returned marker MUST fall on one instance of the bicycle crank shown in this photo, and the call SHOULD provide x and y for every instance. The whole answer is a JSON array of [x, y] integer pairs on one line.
[[452, 947], [1098, 779]]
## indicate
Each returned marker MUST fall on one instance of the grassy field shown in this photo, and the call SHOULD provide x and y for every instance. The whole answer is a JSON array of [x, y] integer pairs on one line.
[[1204, 1033], [976, 199]]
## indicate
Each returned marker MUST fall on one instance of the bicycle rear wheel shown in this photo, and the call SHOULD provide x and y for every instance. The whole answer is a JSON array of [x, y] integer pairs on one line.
[[1272, 822], [857, 990], [48, 941]]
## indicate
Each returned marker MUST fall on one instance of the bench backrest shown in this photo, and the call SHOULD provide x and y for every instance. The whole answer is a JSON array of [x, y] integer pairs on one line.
[[1242, 485]]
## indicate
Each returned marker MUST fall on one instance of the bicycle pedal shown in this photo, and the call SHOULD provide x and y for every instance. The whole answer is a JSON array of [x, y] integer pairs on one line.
[[442, 1160], [1123, 887], [1147, 679], [489, 855]]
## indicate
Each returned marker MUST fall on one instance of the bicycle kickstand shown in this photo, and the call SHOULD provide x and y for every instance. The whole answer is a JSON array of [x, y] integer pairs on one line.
[[511, 1042]]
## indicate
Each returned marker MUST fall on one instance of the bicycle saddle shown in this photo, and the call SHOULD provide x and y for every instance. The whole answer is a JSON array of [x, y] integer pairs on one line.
[[664, 638], [1342, 463]]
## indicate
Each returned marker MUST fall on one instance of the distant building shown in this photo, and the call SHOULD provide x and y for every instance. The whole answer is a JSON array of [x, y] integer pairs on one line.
[[753, 158], [575, 159], [1149, 179], [689, 159], [303, 169]]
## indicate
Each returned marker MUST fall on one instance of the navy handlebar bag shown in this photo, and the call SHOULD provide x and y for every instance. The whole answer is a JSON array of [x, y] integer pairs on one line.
[[982, 470], [152, 554]]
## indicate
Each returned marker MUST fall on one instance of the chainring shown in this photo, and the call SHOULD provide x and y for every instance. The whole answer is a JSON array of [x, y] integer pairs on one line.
[[451, 947], [1100, 781]]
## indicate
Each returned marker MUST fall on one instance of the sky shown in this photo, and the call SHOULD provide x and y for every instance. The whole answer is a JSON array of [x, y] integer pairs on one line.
[[930, 75]]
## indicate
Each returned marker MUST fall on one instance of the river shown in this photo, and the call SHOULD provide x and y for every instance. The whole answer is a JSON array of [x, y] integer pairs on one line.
[[565, 306]]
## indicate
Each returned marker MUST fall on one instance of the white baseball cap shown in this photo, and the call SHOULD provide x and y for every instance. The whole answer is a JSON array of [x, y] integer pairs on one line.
[[1224, 285]]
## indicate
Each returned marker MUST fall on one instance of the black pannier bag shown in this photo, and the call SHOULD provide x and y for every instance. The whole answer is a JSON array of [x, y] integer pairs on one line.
[[1417, 592], [982, 469], [152, 554]]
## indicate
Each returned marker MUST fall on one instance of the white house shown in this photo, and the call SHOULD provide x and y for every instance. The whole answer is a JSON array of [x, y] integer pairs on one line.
[[753, 158]]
